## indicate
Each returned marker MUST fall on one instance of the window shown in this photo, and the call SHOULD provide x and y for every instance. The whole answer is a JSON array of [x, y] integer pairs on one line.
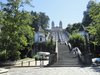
[[40, 38]]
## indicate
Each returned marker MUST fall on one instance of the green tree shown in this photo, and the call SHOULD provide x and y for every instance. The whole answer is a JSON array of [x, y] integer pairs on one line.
[[77, 41], [95, 15], [87, 18], [35, 20], [98, 34], [73, 28], [44, 19], [16, 33], [92, 30], [68, 28], [39, 19]]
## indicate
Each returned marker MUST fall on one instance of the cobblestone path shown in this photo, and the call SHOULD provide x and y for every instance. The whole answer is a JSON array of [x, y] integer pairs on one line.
[[54, 71]]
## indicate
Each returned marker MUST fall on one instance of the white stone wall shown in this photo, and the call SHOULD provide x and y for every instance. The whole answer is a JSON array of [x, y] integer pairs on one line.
[[39, 36], [42, 35]]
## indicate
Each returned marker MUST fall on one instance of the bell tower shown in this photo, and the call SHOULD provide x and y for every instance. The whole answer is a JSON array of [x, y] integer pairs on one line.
[[60, 24], [53, 24]]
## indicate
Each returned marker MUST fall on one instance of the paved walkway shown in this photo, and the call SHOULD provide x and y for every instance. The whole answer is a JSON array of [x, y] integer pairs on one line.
[[54, 71], [24, 63]]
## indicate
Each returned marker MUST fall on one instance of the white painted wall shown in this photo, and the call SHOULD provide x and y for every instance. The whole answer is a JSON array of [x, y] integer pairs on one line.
[[38, 36], [42, 35]]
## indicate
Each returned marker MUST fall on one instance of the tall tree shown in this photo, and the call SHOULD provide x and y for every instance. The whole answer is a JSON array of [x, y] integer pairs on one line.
[[73, 28], [16, 31], [68, 28], [87, 18], [95, 15], [35, 20], [44, 19], [39, 19]]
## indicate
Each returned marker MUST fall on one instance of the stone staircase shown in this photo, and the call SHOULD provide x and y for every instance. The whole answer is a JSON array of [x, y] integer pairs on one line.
[[65, 58]]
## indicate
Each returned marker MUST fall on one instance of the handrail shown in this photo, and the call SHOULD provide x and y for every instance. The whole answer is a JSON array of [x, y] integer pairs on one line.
[[57, 49]]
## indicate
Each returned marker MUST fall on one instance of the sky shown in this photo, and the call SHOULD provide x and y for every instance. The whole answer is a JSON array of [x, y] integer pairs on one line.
[[67, 11]]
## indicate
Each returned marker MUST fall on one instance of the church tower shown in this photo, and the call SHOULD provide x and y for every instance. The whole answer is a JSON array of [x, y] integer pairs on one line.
[[53, 24], [60, 24]]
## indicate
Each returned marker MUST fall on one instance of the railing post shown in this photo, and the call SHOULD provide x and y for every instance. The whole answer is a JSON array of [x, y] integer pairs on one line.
[[28, 63], [57, 49], [35, 62], [22, 63]]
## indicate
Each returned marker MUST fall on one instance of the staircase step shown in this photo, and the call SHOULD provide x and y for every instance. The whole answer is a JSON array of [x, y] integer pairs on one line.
[[67, 65], [65, 58]]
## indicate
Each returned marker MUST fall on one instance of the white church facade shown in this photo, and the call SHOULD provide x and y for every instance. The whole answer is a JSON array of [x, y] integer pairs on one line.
[[40, 36]]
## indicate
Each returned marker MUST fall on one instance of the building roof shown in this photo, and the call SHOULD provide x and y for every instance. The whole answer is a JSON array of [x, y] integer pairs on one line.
[[40, 29]]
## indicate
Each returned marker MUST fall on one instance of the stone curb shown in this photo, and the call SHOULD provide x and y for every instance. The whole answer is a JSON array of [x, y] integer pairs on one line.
[[3, 71]]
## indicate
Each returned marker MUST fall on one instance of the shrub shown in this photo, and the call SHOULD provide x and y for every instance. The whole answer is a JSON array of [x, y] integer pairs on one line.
[[3, 56], [15, 55], [77, 40], [51, 47], [45, 47]]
